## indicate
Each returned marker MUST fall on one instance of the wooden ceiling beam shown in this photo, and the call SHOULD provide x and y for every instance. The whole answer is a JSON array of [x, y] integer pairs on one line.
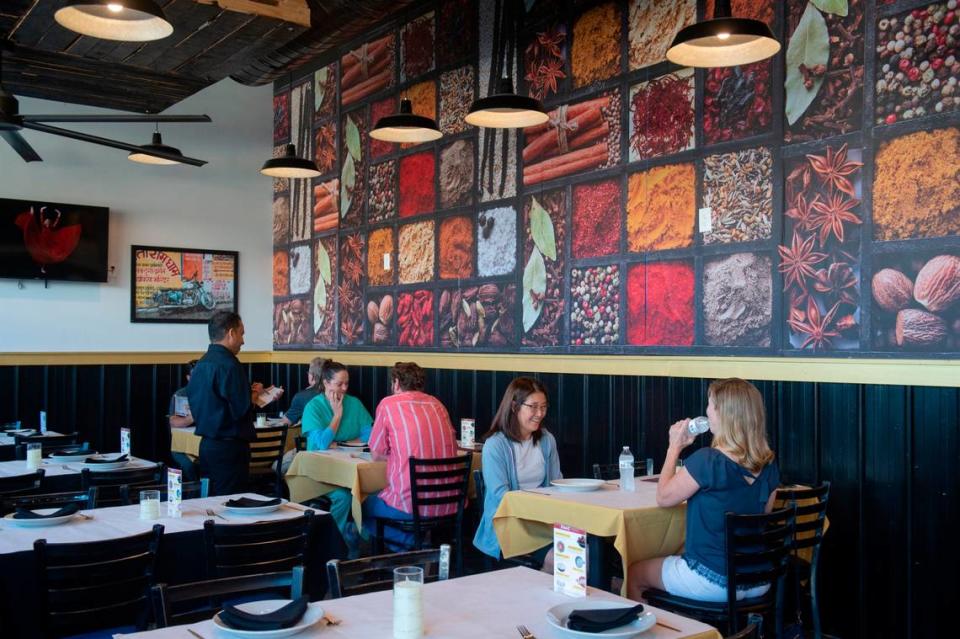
[[293, 11]]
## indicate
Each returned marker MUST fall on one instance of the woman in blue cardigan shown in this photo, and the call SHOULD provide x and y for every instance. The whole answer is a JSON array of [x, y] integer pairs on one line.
[[518, 454]]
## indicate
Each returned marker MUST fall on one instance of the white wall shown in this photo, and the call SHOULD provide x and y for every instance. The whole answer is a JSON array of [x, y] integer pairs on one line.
[[223, 205]]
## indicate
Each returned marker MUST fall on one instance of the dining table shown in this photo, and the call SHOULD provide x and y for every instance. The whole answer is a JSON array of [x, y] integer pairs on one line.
[[181, 557], [317, 472], [638, 528], [8, 443], [64, 476], [186, 440], [481, 606]]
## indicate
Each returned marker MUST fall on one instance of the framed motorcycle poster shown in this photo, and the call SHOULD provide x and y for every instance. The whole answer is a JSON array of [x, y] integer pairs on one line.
[[181, 285]]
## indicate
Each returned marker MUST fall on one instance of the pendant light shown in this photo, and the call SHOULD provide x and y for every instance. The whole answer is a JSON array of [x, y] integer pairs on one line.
[[124, 20], [506, 110], [156, 145], [724, 41], [405, 126], [289, 165]]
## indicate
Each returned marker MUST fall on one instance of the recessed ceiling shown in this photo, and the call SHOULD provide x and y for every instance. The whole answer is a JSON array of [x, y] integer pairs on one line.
[[252, 41]]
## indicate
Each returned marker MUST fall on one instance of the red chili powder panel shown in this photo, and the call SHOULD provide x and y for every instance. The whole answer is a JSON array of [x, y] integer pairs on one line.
[[281, 274], [596, 219], [381, 109], [660, 304], [416, 184], [456, 248]]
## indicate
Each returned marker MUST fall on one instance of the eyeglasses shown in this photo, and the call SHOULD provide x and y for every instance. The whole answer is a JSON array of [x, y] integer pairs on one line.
[[536, 407]]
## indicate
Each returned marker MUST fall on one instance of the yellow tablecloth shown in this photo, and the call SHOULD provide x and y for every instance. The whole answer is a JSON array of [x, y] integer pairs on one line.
[[184, 440], [317, 473]]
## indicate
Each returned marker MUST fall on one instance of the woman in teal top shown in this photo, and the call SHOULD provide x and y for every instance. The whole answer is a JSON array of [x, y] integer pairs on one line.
[[334, 416]]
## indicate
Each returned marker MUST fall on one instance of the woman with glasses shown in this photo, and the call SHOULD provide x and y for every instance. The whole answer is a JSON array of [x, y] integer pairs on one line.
[[518, 454]]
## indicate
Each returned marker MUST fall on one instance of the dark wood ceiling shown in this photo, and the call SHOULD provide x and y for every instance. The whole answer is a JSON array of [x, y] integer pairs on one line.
[[212, 40]]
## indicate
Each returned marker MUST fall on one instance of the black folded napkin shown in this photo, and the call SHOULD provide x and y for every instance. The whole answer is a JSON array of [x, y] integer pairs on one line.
[[102, 460], [26, 513], [67, 452], [603, 619], [247, 502], [284, 617]]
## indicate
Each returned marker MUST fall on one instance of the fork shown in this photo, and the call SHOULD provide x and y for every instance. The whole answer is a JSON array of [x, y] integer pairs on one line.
[[213, 513], [526, 634]]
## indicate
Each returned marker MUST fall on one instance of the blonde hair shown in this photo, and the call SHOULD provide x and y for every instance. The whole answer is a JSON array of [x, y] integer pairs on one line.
[[742, 429]]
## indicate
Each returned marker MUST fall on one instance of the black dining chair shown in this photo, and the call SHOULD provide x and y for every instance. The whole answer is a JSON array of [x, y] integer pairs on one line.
[[527, 561], [110, 482], [96, 585], [607, 472], [86, 499], [443, 481], [370, 574], [757, 552], [189, 490], [266, 458], [25, 484], [247, 549], [811, 507], [752, 631], [199, 600]]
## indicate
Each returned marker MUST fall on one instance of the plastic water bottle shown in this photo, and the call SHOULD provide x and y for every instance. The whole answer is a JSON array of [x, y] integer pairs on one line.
[[698, 425], [626, 469]]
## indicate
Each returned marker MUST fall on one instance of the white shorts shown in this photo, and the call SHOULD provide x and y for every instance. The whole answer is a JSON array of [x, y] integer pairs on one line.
[[681, 580]]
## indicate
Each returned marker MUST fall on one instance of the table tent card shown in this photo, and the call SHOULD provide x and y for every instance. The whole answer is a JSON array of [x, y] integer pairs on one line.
[[181, 406], [466, 433], [569, 561], [174, 491], [43, 422], [124, 441]]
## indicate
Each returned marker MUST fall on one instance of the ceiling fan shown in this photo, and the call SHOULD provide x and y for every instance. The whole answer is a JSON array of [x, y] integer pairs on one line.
[[12, 122]]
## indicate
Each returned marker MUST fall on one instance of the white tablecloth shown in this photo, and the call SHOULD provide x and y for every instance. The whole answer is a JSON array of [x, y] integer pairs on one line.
[[54, 469], [10, 440], [476, 607], [123, 521]]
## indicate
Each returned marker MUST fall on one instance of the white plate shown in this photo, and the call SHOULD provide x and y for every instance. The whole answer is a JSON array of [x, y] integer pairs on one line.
[[579, 485], [105, 465], [71, 458], [22, 431], [40, 523], [256, 510], [312, 616], [557, 617]]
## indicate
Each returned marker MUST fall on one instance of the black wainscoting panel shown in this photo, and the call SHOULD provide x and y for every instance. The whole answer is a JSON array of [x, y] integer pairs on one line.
[[892, 454]]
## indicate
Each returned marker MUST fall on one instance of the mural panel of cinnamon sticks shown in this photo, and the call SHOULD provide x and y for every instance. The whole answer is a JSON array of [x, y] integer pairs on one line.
[[806, 204]]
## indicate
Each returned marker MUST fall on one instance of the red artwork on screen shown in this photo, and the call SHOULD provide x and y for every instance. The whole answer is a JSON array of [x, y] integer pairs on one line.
[[46, 243]]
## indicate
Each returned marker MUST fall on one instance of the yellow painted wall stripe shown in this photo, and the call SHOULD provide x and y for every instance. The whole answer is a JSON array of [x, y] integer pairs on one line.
[[855, 371]]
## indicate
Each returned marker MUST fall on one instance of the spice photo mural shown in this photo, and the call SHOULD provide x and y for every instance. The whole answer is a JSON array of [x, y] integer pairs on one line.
[[804, 205]]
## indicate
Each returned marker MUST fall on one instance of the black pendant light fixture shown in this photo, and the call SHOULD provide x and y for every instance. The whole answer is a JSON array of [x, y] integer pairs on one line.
[[503, 108], [124, 20], [405, 126], [506, 110], [289, 165], [724, 41], [144, 156]]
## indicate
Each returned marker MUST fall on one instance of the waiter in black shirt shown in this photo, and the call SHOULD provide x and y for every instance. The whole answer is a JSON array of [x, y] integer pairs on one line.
[[221, 401]]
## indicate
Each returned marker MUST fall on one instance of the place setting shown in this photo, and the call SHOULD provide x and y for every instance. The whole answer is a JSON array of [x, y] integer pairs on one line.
[[600, 618], [267, 619], [44, 517]]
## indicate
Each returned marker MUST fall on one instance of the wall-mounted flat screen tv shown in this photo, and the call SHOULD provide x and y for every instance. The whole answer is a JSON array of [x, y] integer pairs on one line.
[[53, 241]]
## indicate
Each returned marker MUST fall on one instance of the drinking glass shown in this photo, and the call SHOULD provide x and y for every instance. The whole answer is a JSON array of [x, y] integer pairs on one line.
[[149, 504], [261, 420], [407, 602], [34, 456]]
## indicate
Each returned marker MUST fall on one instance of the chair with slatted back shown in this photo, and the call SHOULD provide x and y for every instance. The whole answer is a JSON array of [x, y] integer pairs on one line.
[[443, 481], [612, 471], [190, 490], [370, 574], [266, 457], [110, 482], [86, 499], [28, 483], [83, 587], [519, 560], [194, 601], [248, 549], [757, 552], [811, 505]]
